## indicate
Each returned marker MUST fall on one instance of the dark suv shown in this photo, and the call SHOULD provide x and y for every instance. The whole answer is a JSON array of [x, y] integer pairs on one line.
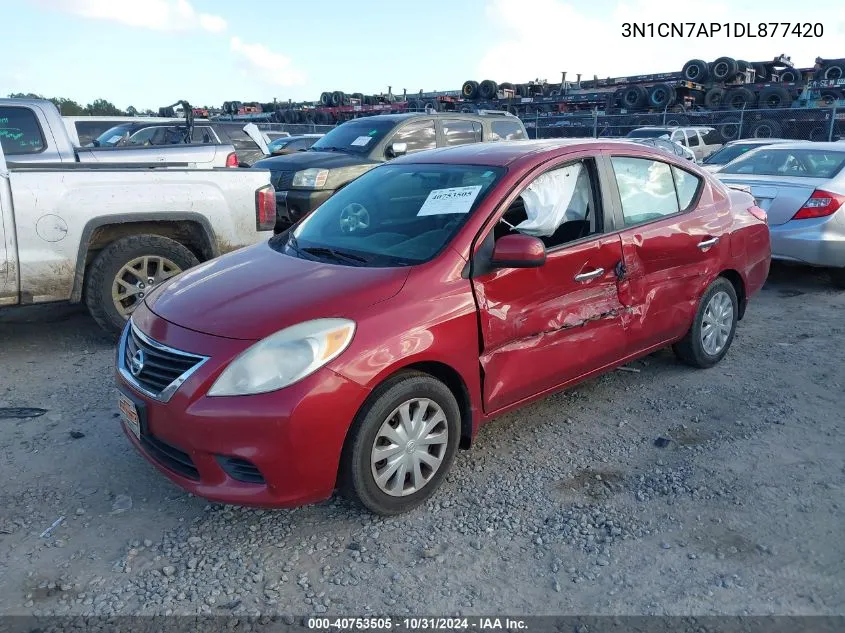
[[305, 180]]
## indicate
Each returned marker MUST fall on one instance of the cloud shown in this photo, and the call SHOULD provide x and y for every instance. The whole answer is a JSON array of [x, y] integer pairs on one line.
[[158, 15], [540, 38], [259, 61]]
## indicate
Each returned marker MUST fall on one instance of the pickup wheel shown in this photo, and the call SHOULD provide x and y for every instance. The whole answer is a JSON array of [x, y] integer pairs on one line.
[[713, 329], [126, 271]]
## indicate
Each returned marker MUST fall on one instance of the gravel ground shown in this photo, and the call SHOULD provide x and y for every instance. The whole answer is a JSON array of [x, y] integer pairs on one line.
[[662, 491]]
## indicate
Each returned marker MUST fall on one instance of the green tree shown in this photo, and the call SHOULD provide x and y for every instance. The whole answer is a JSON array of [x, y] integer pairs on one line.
[[24, 95], [68, 107], [101, 107]]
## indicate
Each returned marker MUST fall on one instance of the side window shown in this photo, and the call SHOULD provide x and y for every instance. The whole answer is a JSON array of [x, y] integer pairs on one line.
[[558, 206], [419, 135], [145, 136], [678, 137], [203, 134], [687, 185], [646, 188], [507, 131], [710, 137], [20, 132], [692, 138], [461, 132], [300, 143]]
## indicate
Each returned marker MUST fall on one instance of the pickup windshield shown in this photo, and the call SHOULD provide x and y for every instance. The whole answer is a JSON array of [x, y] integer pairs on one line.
[[394, 215], [358, 136]]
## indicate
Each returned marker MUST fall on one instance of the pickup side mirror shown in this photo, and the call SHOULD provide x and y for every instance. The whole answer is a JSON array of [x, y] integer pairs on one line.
[[395, 150], [518, 251]]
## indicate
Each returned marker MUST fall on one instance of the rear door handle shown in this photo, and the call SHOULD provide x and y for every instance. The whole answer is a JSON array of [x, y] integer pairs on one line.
[[708, 243], [598, 272]]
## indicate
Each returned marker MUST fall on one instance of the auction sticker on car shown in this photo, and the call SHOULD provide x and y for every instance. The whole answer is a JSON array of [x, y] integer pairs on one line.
[[361, 141], [129, 415], [452, 200]]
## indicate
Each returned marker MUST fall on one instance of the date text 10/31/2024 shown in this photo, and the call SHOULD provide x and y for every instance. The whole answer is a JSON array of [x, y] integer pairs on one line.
[[417, 624]]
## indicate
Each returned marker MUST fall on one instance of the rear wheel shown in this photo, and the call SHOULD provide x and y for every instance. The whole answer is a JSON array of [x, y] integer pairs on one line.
[[401, 445], [713, 329], [126, 271]]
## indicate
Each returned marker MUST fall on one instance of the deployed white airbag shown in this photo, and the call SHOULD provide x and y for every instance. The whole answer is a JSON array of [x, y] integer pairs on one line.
[[554, 198]]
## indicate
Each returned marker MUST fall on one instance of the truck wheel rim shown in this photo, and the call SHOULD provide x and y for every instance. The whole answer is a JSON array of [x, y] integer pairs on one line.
[[136, 279], [717, 323], [409, 447]]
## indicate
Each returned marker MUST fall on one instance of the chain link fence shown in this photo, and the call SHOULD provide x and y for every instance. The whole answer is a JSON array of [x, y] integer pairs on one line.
[[811, 124]]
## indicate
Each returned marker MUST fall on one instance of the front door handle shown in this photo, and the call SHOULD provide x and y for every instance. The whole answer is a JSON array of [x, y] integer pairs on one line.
[[708, 243], [598, 272]]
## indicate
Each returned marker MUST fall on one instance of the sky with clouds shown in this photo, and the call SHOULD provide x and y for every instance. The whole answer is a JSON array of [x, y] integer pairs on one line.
[[150, 53]]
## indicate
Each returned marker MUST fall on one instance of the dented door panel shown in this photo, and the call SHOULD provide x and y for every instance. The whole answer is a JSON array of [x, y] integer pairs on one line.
[[541, 328], [668, 266]]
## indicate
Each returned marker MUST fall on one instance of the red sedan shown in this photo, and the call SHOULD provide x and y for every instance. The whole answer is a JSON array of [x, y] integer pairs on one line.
[[361, 348]]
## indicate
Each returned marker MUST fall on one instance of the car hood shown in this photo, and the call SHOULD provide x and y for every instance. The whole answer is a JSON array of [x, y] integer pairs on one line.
[[312, 158], [256, 291]]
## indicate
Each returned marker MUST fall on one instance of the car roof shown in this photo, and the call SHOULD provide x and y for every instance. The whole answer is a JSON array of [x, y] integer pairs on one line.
[[762, 141], [404, 116], [822, 145], [503, 153]]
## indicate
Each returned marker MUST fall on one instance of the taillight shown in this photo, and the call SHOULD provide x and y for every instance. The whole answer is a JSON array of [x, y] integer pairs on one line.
[[232, 160], [265, 209], [758, 213], [821, 203]]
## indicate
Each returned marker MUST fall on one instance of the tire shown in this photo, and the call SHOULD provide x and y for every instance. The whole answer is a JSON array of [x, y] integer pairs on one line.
[[790, 76], [832, 72], [506, 86], [723, 69], [634, 97], [741, 67], [760, 71], [766, 128], [338, 98], [828, 98], [677, 119], [729, 128], [818, 134], [774, 97], [523, 90], [739, 99], [488, 89], [692, 349], [101, 274], [356, 479], [713, 98], [289, 116], [358, 96], [661, 96], [470, 89], [696, 70], [326, 98]]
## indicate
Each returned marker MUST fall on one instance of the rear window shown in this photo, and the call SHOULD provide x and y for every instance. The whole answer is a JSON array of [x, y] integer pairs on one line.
[[799, 163], [727, 153], [507, 131], [20, 132]]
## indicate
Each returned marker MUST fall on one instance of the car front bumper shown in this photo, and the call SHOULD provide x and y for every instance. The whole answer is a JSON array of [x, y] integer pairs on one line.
[[294, 204], [815, 241], [278, 449]]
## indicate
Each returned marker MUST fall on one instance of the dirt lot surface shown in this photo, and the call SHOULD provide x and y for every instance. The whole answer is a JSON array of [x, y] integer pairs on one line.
[[567, 506]]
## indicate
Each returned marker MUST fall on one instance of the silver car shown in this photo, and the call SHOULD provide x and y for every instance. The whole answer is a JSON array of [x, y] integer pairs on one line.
[[734, 149], [801, 186]]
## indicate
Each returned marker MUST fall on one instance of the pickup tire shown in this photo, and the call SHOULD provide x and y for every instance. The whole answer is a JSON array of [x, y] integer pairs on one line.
[[103, 272]]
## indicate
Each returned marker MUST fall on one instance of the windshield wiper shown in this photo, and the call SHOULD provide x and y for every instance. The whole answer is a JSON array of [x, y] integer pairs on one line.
[[331, 149], [333, 253]]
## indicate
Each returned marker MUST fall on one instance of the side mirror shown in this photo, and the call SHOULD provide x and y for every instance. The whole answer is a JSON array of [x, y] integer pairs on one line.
[[518, 251], [395, 150]]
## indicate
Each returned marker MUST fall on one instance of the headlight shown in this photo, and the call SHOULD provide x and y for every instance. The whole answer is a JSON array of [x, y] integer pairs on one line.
[[310, 178], [285, 357]]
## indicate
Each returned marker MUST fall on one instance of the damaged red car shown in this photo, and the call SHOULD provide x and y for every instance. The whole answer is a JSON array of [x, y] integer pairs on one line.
[[361, 348]]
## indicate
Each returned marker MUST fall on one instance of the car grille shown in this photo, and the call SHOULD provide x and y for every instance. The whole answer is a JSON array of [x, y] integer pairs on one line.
[[170, 457], [240, 469], [163, 369], [282, 180]]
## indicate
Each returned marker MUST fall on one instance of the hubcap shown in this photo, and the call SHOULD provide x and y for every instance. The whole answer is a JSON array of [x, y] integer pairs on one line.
[[717, 323], [409, 447], [137, 278]]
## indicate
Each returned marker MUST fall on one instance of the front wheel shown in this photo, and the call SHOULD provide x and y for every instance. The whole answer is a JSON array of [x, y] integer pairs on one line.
[[126, 271], [713, 329], [401, 445]]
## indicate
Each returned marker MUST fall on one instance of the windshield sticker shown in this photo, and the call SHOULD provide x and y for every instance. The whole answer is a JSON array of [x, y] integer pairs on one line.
[[373, 132], [361, 141], [452, 200]]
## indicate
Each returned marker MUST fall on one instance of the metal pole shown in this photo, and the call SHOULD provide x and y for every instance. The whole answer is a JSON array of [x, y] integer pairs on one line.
[[595, 122], [537, 122], [741, 118], [832, 129], [665, 110]]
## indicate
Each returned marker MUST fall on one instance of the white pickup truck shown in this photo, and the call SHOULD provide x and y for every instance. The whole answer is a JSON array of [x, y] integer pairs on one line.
[[107, 233]]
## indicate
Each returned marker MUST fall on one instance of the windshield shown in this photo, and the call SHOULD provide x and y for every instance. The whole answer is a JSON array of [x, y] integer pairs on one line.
[[278, 144], [113, 136], [648, 134], [801, 163], [727, 153], [394, 215], [358, 136]]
